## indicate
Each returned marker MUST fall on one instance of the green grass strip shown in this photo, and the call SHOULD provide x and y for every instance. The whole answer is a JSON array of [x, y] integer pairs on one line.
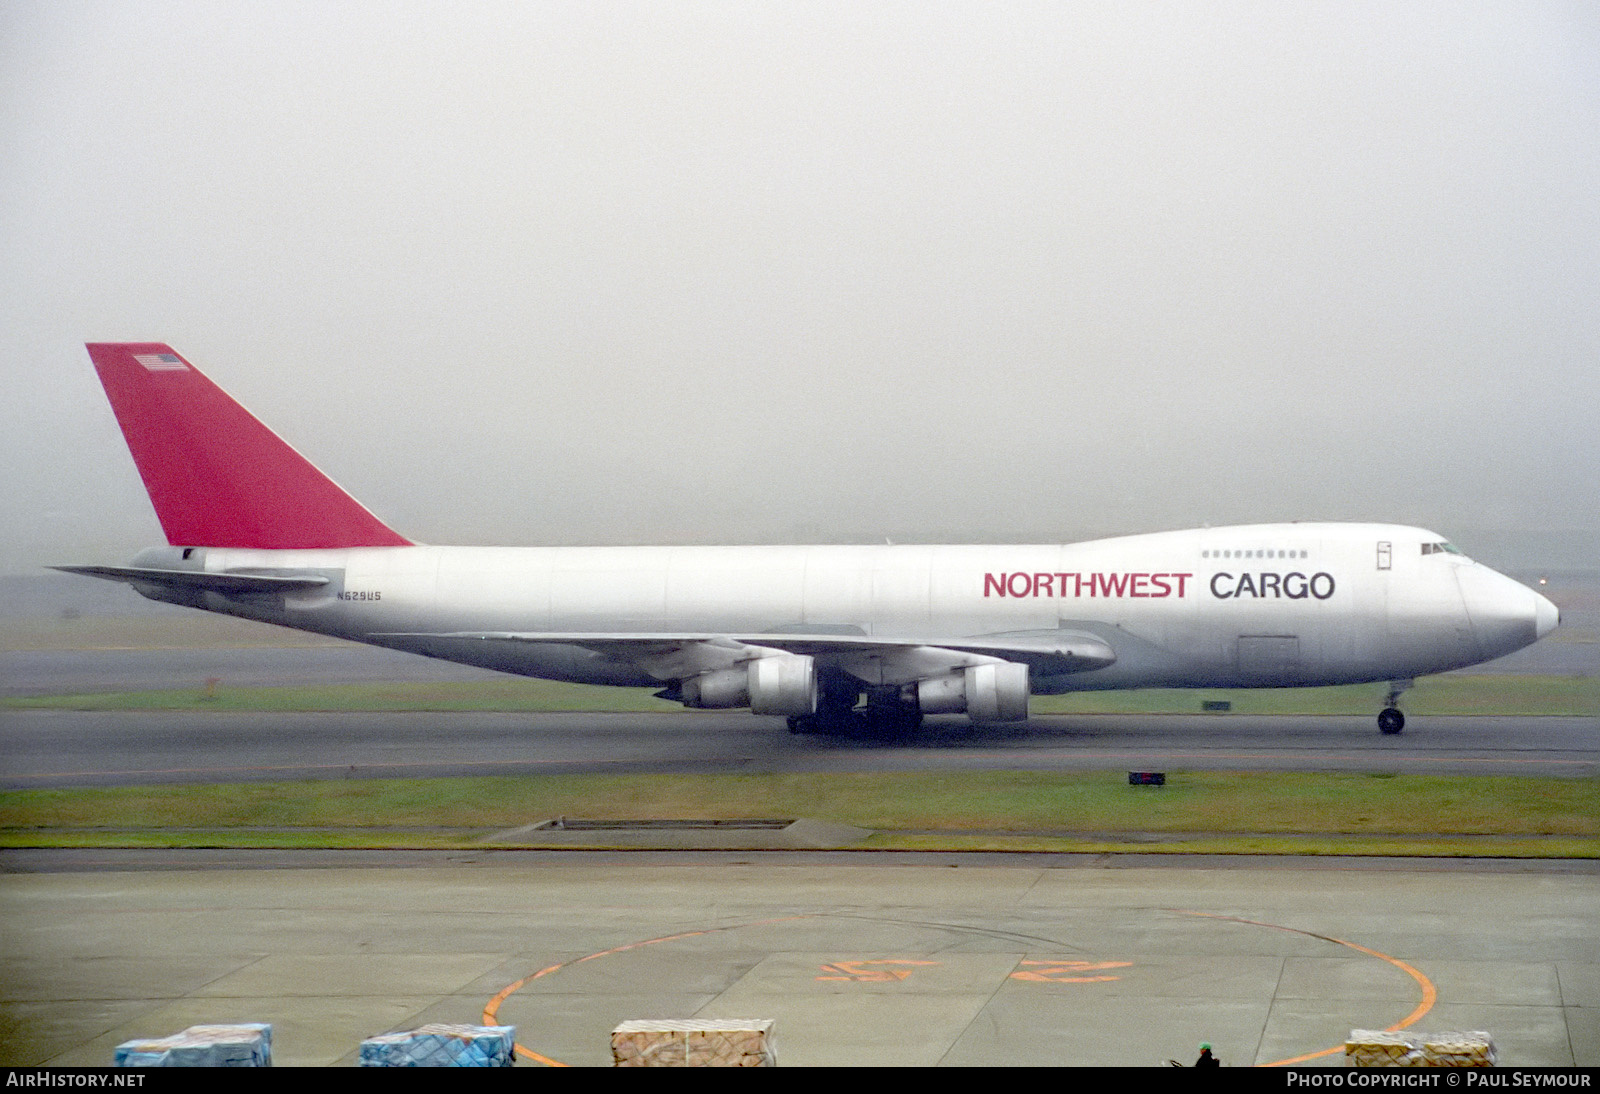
[[355, 839], [1210, 811]]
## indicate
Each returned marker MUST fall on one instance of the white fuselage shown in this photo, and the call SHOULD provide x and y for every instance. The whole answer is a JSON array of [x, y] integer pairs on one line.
[[1273, 605]]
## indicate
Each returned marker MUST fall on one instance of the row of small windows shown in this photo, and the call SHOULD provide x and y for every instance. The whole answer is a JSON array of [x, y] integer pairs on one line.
[[1255, 554]]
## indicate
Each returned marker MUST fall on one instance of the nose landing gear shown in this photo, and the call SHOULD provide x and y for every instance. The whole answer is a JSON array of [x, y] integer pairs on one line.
[[1390, 719]]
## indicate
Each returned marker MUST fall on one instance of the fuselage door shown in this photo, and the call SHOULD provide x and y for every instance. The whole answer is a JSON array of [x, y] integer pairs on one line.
[[1385, 554], [1265, 658]]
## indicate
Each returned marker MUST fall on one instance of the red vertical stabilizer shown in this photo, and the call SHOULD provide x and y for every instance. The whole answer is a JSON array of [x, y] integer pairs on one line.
[[216, 475]]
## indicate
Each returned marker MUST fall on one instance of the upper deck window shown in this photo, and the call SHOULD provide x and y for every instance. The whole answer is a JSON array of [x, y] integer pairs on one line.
[[1269, 553]]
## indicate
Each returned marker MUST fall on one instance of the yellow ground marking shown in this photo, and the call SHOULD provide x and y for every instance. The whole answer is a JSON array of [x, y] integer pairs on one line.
[[492, 1009], [1430, 994]]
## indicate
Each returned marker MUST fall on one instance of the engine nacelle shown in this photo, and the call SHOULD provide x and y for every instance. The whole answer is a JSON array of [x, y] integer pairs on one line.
[[785, 685], [987, 693]]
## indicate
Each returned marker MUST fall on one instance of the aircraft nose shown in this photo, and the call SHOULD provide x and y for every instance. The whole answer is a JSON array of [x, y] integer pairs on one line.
[[1505, 614], [1546, 616]]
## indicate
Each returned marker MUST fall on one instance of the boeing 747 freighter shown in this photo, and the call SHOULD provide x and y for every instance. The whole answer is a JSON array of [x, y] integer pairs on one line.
[[832, 638]]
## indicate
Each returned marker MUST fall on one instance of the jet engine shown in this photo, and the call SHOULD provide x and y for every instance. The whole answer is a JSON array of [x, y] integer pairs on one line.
[[995, 692], [784, 684]]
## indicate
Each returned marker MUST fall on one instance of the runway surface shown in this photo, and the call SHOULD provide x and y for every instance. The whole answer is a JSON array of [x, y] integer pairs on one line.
[[76, 748]]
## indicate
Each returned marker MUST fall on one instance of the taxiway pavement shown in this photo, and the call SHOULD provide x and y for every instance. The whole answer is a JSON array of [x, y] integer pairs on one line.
[[860, 959], [50, 748]]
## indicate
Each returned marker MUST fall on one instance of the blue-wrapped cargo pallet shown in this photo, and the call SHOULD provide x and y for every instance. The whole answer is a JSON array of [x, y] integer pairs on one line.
[[248, 1045], [441, 1045]]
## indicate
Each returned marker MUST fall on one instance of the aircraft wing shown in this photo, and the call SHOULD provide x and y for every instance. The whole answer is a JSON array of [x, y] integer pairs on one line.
[[1046, 653], [235, 583], [670, 655]]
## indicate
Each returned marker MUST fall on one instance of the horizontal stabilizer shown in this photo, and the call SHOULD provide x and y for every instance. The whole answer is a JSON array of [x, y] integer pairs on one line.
[[234, 583]]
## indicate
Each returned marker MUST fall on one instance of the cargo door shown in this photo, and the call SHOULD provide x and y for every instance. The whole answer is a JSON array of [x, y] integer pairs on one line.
[[1269, 658]]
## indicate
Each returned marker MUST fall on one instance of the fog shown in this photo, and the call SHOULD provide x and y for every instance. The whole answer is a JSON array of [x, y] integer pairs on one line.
[[805, 272]]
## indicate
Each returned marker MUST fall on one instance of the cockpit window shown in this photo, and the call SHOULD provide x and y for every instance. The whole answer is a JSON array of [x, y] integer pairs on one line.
[[1441, 549]]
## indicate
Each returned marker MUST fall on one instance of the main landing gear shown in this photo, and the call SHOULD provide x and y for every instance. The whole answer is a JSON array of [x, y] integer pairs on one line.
[[835, 716], [886, 716], [1390, 719]]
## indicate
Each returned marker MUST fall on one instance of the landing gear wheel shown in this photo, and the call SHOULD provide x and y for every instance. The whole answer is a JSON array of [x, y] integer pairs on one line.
[[826, 722], [835, 714], [892, 723], [1390, 720]]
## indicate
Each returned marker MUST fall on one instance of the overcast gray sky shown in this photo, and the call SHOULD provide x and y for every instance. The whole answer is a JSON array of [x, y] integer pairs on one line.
[[766, 272]]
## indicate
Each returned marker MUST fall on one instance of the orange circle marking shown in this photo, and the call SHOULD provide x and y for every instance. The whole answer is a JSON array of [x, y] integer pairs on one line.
[[492, 1009], [1430, 994]]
